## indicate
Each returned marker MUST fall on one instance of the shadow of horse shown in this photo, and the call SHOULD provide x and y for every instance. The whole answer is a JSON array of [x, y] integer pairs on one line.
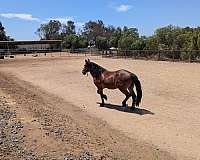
[[139, 111]]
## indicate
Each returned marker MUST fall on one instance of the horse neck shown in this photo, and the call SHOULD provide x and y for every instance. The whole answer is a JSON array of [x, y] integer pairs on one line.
[[96, 70]]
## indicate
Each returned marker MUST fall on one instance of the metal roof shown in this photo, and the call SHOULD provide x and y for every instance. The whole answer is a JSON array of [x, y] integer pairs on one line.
[[30, 42]]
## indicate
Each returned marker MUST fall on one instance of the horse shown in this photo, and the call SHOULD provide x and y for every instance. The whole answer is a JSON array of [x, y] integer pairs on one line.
[[120, 79]]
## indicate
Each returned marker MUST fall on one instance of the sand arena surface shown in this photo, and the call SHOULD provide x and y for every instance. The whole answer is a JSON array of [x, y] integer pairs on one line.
[[169, 114]]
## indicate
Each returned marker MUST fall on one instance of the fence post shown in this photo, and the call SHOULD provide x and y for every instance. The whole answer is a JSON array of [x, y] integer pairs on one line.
[[173, 55], [158, 55], [189, 58]]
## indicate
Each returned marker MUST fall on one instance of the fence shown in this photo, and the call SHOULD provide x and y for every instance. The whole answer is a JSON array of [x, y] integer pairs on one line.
[[160, 55]]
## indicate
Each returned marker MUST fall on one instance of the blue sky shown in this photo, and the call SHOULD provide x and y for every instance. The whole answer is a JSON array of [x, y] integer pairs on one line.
[[21, 18]]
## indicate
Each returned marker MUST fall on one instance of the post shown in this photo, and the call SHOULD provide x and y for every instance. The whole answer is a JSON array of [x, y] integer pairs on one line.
[[60, 47], [173, 55], [7, 49], [158, 55], [189, 58]]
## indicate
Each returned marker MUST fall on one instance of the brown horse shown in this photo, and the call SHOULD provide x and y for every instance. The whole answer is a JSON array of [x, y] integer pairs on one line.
[[121, 79]]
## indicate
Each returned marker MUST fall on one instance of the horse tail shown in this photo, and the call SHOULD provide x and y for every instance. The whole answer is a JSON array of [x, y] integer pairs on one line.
[[138, 89]]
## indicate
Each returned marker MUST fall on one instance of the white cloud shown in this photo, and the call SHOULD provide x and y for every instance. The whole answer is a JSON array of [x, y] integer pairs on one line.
[[79, 24], [22, 16], [62, 19], [123, 8]]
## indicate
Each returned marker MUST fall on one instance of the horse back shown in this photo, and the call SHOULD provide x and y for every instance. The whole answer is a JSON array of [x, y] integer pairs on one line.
[[116, 79]]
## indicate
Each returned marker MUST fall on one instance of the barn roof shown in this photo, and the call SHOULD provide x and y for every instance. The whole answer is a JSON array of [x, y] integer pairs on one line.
[[30, 42]]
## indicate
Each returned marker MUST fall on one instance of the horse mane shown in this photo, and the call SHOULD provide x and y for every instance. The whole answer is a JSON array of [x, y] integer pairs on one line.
[[96, 70]]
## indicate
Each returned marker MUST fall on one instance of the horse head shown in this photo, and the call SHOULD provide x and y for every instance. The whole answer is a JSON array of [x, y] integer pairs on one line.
[[87, 66]]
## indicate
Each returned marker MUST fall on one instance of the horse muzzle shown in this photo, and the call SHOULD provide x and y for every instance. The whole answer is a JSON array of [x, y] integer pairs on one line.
[[83, 72]]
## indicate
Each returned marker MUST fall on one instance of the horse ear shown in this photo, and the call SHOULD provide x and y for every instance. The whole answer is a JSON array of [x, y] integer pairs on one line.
[[88, 60]]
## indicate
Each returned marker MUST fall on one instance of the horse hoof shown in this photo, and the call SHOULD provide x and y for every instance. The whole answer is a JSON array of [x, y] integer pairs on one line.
[[132, 108], [123, 105], [105, 97], [101, 105]]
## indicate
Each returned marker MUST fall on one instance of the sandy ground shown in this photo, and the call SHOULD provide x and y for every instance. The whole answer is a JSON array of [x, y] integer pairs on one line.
[[167, 120]]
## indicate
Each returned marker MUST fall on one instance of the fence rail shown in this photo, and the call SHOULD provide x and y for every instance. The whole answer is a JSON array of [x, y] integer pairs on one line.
[[160, 55]]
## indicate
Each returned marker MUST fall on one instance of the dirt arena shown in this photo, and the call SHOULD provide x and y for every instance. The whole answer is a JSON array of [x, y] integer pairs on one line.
[[60, 112]]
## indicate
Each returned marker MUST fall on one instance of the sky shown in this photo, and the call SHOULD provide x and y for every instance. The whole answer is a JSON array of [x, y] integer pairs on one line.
[[21, 18]]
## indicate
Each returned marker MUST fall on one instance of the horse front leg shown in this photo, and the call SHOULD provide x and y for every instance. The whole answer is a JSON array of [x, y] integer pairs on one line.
[[103, 96]]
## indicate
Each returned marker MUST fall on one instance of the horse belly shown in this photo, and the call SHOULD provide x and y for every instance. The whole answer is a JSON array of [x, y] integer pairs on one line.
[[109, 84]]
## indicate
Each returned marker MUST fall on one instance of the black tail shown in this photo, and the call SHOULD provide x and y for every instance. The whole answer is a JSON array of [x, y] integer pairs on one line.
[[138, 89]]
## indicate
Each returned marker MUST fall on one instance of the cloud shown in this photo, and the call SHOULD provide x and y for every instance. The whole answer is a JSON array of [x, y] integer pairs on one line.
[[62, 19], [22, 16], [79, 24], [123, 8]]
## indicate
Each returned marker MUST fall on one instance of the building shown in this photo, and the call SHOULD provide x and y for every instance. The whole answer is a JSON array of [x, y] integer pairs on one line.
[[18, 47]]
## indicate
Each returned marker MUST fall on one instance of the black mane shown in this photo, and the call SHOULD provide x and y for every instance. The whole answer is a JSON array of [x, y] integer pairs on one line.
[[96, 70]]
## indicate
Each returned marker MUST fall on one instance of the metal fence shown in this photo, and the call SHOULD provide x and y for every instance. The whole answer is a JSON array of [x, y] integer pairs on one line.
[[160, 55]]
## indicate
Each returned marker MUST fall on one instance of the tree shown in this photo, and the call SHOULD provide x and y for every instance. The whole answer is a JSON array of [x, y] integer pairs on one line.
[[114, 39], [108, 31], [151, 43], [50, 30], [130, 32], [93, 29], [128, 38], [125, 43], [198, 41], [102, 43], [139, 44], [3, 36], [70, 41], [82, 42], [166, 37], [69, 28], [74, 41]]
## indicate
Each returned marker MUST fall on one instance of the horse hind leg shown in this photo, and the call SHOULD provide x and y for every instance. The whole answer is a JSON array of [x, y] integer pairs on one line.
[[128, 95], [105, 97], [133, 97], [133, 100]]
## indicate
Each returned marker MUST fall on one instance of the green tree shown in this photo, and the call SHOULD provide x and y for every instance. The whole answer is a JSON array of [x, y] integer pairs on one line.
[[139, 44], [82, 42], [198, 41], [69, 28], [74, 41], [93, 29], [128, 38], [151, 43], [125, 43], [166, 37], [114, 39], [70, 41], [130, 32], [50, 30], [3, 36], [102, 43]]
